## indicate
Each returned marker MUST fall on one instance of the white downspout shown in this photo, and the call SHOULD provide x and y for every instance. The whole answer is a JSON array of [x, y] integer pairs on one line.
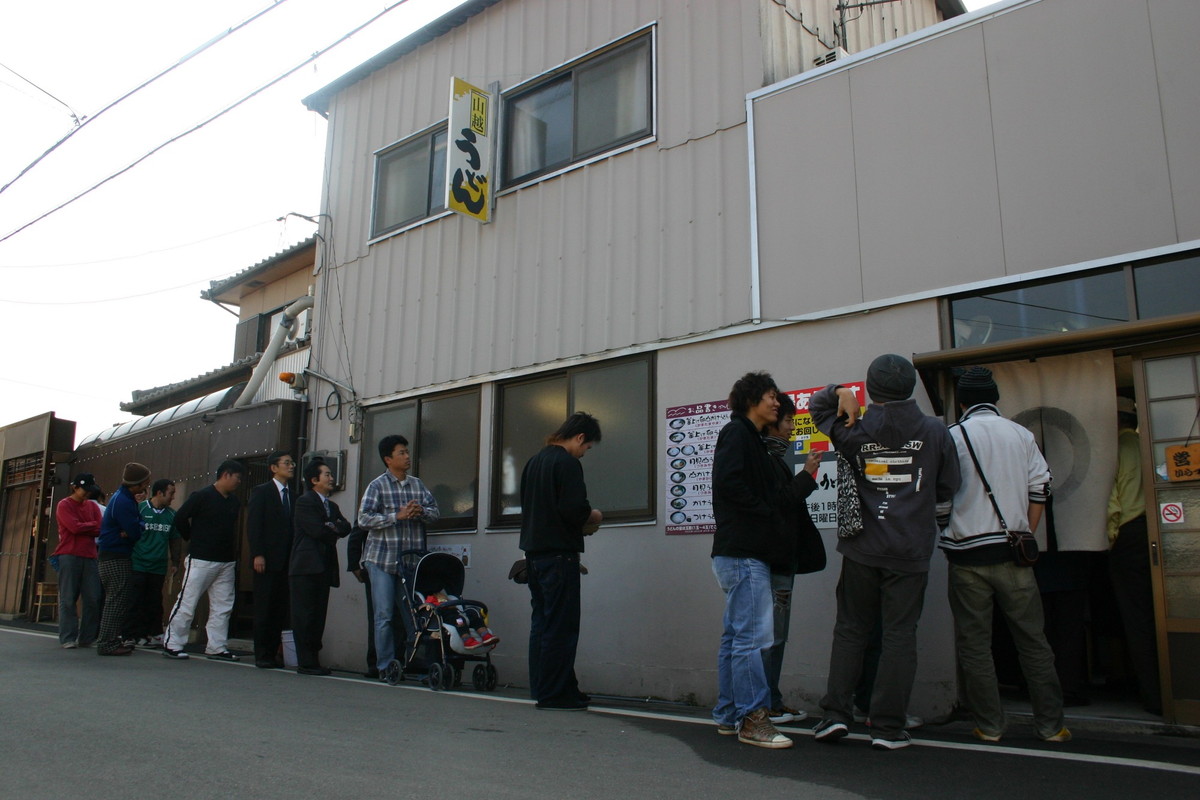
[[283, 332]]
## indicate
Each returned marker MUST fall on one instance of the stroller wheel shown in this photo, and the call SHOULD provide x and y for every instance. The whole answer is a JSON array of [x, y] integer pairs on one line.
[[479, 678], [436, 677], [447, 676], [492, 678]]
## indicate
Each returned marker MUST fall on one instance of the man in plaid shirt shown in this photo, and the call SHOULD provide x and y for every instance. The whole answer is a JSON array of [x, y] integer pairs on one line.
[[395, 509]]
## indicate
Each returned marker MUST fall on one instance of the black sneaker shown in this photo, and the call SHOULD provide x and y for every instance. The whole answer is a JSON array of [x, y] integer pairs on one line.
[[830, 730], [879, 743], [222, 656], [177, 654]]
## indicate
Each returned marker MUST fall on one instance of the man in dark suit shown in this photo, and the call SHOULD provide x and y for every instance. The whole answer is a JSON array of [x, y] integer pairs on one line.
[[314, 565], [269, 524]]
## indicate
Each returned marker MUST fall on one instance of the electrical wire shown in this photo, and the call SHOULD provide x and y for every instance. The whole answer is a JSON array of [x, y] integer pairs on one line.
[[81, 124], [109, 299], [141, 255], [74, 116], [206, 122]]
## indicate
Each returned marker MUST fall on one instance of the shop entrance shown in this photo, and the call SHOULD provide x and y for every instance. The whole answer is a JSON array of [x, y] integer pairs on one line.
[[1168, 392]]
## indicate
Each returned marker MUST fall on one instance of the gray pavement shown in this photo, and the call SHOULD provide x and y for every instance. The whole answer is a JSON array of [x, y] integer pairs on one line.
[[73, 725]]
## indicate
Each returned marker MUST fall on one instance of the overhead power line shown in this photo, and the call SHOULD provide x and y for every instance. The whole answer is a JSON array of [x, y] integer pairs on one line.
[[200, 125], [81, 124], [70, 110]]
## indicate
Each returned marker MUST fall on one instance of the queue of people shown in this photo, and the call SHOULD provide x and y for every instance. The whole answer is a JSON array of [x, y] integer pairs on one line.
[[913, 485]]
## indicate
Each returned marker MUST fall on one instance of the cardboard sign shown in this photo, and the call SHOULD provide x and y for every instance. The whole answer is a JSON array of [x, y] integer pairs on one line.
[[1183, 462]]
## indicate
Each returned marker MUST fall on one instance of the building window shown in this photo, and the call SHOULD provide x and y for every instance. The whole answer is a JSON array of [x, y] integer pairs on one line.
[[410, 181], [587, 108], [1059, 306], [620, 394], [443, 436], [1080, 301], [268, 323]]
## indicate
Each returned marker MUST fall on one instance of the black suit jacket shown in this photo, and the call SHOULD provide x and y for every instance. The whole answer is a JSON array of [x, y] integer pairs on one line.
[[314, 549], [268, 527]]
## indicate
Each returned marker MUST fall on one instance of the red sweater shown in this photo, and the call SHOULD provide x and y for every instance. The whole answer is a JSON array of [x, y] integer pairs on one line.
[[78, 526]]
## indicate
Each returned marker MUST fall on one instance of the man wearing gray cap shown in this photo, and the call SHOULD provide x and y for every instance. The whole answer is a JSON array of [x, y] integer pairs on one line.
[[906, 473]]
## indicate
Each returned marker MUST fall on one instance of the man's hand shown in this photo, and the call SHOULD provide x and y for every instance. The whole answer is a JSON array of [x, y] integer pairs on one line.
[[847, 405], [813, 462], [260, 564], [361, 574]]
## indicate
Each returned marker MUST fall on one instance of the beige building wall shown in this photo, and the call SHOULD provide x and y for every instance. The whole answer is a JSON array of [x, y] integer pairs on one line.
[[1050, 133]]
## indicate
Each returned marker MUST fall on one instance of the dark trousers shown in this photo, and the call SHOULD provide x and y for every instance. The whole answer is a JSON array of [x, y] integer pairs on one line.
[[1066, 630], [554, 626], [115, 574], [310, 601], [146, 616], [1129, 565], [270, 613], [864, 596]]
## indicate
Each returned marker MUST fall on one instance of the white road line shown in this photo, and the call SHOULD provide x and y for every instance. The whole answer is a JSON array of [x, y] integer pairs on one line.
[[1054, 755]]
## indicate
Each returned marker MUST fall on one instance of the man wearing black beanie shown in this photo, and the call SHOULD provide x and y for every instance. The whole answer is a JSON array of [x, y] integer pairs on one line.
[[997, 453], [906, 473]]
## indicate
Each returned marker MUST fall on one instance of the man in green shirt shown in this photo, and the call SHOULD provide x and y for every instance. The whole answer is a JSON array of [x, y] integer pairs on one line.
[[151, 563]]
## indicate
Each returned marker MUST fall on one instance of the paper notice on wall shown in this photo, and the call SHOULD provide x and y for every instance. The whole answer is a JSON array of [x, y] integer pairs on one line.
[[692, 432]]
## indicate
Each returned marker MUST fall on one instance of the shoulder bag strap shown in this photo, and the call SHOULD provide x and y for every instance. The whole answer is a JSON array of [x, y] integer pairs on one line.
[[986, 486]]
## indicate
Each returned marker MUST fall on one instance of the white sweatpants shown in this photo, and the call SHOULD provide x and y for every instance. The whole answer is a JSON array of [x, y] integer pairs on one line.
[[216, 578]]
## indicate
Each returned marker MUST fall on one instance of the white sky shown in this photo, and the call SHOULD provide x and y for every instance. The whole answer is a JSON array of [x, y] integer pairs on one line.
[[202, 209], [102, 297]]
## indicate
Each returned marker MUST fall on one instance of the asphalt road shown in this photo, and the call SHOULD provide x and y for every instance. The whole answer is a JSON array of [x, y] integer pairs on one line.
[[76, 725]]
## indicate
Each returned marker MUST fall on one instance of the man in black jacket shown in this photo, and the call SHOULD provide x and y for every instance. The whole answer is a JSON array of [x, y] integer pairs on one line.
[[208, 523], [269, 529], [554, 512], [314, 564], [746, 486]]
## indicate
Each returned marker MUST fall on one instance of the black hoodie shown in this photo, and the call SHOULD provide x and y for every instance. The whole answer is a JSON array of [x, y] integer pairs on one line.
[[906, 469]]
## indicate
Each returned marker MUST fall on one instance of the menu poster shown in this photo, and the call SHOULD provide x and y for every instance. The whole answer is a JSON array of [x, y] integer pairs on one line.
[[692, 432]]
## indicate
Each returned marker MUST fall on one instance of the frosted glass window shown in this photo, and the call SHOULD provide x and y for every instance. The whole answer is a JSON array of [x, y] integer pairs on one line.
[[410, 182]]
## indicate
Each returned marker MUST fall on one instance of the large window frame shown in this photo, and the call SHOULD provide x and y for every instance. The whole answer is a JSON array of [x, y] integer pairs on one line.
[[1095, 300], [427, 148], [570, 82], [427, 455], [506, 516]]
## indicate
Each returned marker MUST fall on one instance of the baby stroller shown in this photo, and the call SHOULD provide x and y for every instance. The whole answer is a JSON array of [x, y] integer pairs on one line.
[[435, 653]]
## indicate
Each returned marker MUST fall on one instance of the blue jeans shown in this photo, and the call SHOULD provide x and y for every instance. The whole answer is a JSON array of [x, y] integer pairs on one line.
[[78, 579], [748, 633], [781, 596], [386, 589], [553, 626]]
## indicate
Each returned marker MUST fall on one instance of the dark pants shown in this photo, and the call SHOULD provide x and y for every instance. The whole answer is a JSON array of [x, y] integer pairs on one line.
[[310, 601], [146, 616], [115, 574], [1129, 565], [554, 626], [1066, 630], [270, 613], [864, 595]]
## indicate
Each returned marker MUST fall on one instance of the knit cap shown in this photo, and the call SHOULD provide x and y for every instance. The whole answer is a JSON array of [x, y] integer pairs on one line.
[[891, 377], [976, 386], [134, 474]]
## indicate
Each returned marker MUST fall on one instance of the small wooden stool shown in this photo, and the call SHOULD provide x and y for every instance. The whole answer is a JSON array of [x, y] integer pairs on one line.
[[46, 597]]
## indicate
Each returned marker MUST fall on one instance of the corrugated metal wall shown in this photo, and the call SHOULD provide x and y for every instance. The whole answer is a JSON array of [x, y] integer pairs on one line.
[[649, 244], [795, 32]]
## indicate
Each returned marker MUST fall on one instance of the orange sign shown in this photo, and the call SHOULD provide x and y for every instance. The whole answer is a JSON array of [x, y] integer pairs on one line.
[[1183, 462]]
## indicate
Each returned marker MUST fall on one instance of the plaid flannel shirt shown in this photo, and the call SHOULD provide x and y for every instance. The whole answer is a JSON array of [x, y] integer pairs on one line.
[[387, 536]]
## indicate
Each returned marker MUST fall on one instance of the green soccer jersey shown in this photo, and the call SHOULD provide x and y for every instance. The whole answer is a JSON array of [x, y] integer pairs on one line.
[[152, 550]]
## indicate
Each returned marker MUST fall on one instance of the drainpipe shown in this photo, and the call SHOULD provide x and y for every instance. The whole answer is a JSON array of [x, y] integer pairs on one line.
[[284, 331]]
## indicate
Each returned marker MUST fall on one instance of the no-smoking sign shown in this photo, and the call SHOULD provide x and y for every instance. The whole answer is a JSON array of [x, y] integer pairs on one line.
[[1170, 513]]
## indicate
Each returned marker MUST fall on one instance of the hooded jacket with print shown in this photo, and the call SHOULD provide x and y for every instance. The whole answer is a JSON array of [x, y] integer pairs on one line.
[[906, 471]]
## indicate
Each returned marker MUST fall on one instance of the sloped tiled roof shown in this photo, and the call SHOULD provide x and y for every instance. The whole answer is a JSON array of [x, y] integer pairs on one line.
[[147, 401], [217, 288]]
